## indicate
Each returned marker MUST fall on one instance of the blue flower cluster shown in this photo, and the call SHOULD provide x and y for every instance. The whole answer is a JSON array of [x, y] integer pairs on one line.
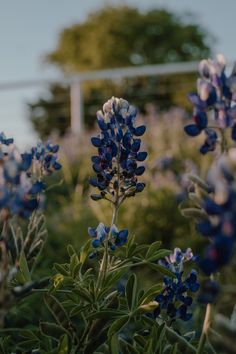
[[46, 158], [108, 234], [117, 163], [220, 227], [175, 299], [21, 184], [215, 99]]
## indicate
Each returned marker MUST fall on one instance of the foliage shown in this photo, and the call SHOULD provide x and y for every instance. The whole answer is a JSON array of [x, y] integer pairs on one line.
[[95, 302], [120, 37]]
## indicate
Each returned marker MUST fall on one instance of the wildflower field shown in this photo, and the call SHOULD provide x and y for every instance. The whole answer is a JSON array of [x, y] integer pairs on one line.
[[124, 241]]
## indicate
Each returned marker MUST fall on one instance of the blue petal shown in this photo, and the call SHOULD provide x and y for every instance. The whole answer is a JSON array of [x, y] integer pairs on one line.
[[96, 142], [136, 145], [92, 232], [141, 156], [139, 131], [140, 170], [192, 130], [96, 243]]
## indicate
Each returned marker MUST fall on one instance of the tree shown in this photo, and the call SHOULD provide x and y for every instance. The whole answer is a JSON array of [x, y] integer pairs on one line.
[[122, 36]]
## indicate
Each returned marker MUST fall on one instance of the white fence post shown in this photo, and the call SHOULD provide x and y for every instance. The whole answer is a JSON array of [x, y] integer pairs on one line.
[[76, 108]]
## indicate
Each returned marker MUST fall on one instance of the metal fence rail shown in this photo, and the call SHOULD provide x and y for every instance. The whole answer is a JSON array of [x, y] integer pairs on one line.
[[74, 81]]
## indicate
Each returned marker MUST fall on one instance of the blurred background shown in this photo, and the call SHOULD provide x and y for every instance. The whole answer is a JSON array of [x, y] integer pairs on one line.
[[61, 60]]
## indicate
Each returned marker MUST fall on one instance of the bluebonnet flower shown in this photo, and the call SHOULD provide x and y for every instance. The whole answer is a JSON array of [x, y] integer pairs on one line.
[[112, 235], [117, 163], [176, 297], [5, 141], [215, 98], [220, 207], [21, 185], [46, 158]]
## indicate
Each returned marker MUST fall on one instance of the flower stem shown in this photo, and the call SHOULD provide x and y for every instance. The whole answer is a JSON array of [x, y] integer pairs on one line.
[[205, 328], [116, 203]]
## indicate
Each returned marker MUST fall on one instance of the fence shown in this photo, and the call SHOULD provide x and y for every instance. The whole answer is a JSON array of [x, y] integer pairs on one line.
[[75, 81]]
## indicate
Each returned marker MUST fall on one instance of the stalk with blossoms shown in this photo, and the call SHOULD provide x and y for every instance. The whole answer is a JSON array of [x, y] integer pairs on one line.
[[214, 114], [117, 165], [21, 202]]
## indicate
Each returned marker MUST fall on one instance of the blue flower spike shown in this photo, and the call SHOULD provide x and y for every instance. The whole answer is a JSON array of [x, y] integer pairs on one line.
[[215, 100], [117, 163], [175, 299]]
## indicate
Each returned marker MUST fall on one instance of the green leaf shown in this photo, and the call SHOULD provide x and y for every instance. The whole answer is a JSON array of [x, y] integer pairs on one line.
[[140, 340], [106, 313], [161, 269], [74, 265], [183, 345], [150, 294], [57, 310], [118, 325], [24, 269], [153, 248], [84, 252], [174, 349], [159, 255], [63, 347], [71, 251], [130, 251], [131, 291], [114, 345], [61, 268], [84, 294], [51, 329]]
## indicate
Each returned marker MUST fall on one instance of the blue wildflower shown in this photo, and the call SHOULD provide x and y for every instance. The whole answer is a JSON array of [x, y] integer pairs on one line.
[[46, 158], [176, 297], [117, 163], [21, 186], [215, 98], [111, 235], [4, 140], [220, 206]]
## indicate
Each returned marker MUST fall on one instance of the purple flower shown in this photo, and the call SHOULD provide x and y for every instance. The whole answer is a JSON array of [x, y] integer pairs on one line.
[[175, 299], [214, 101], [117, 163]]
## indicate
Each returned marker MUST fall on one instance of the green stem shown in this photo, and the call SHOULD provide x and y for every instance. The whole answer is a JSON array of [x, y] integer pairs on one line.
[[116, 203], [223, 145], [205, 328]]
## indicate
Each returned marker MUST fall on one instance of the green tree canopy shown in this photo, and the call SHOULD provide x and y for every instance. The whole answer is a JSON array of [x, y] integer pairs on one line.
[[118, 37], [122, 36]]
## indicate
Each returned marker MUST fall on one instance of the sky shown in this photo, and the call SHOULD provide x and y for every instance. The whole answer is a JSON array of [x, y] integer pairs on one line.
[[30, 28]]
